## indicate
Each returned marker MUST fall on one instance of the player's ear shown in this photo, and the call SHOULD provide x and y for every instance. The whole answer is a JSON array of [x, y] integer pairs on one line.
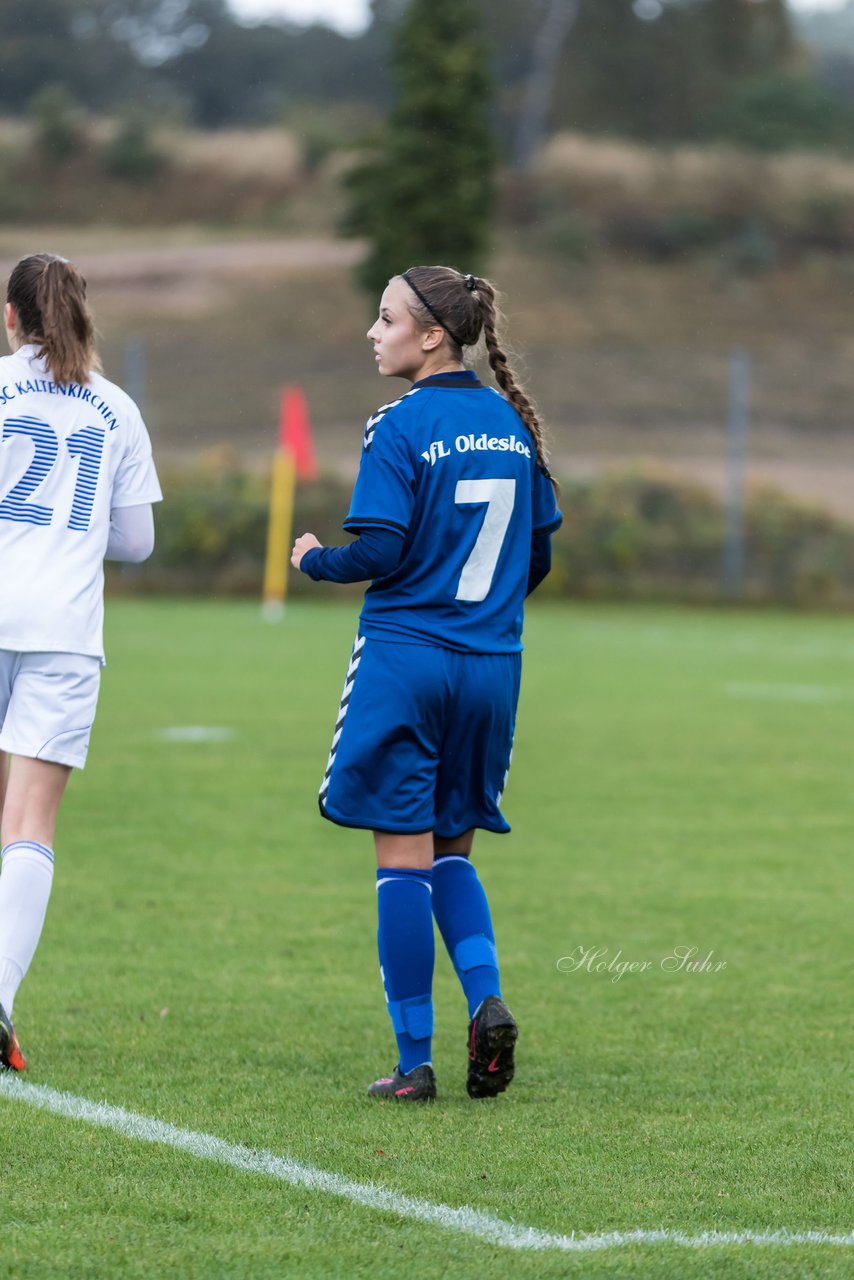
[[433, 338], [10, 318]]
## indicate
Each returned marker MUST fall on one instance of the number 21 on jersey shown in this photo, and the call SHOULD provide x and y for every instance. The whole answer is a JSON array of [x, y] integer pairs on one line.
[[87, 445]]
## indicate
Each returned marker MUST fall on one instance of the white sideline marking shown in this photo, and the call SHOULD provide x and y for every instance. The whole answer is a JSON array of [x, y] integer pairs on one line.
[[483, 1226], [195, 733], [783, 692]]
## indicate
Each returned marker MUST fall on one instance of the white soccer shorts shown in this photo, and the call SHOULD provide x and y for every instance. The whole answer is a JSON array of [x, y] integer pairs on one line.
[[47, 705]]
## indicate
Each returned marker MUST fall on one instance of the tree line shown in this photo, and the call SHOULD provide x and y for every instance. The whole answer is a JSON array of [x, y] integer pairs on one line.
[[651, 69]]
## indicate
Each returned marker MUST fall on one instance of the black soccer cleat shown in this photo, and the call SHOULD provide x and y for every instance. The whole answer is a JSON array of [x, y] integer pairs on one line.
[[11, 1058], [492, 1042], [418, 1086]]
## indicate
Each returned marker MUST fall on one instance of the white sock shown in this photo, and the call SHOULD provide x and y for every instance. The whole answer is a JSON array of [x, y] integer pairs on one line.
[[24, 892]]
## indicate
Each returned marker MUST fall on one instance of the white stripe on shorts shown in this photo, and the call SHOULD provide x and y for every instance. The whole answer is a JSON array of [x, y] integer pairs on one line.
[[355, 659]]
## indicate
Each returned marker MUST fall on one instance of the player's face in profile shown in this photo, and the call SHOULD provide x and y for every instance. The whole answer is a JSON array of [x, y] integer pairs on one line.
[[397, 339]]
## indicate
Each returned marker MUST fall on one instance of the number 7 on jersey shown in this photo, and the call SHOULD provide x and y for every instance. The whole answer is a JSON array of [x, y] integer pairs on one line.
[[479, 568]]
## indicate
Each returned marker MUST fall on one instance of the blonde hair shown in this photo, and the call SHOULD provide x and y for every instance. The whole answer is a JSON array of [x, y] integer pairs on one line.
[[48, 294]]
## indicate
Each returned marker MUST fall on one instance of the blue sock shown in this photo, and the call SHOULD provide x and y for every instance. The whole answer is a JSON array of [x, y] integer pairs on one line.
[[407, 951], [462, 914]]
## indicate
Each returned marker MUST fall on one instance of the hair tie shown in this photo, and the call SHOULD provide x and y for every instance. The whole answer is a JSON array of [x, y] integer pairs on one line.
[[471, 283]]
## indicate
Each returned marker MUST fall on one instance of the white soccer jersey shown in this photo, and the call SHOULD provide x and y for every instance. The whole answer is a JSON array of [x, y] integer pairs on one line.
[[69, 454]]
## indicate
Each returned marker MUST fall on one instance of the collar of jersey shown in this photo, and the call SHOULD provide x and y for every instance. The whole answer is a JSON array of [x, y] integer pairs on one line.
[[463, 380]]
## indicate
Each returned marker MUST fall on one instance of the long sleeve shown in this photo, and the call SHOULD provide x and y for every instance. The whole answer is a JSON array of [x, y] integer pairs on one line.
[[374, 554], [541, 560], [131, 533]]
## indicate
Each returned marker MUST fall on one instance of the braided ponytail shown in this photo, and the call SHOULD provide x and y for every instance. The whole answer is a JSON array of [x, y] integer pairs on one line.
[[505, 377], [466, 307], [48, 294]]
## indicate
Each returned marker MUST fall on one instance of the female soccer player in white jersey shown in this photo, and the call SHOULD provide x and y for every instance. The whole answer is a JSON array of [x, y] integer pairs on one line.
[[453, 509], [76, 484]]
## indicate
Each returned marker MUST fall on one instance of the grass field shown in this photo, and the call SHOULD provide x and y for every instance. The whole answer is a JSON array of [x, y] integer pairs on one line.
[[680, 779]]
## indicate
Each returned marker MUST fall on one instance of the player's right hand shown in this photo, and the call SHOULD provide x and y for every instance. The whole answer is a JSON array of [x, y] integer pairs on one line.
[[303, 544]]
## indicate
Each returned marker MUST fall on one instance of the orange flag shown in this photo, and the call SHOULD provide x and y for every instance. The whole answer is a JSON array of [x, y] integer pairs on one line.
[[295, 432]]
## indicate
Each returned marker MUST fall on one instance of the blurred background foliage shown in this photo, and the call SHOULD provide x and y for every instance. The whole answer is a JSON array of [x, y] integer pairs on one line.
[[149, 121], [166, 111], [653, 183], [640, 532], [649, 69]]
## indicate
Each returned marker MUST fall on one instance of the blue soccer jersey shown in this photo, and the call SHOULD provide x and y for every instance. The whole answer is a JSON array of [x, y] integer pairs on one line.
[[452, 467]]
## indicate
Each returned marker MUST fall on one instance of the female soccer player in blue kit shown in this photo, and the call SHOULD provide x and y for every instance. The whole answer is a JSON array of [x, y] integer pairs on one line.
[[76, 484], [453, 507]]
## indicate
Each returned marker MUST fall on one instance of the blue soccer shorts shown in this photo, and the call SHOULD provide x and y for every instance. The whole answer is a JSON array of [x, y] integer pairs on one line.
[[422, 740]]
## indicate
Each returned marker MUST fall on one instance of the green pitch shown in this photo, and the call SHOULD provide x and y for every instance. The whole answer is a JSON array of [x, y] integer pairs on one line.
[[680, 780]]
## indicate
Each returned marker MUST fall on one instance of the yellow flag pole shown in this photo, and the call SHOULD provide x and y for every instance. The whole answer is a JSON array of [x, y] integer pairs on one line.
[[279, 534]]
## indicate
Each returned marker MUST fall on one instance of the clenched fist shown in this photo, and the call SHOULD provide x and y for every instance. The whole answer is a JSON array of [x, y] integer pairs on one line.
[[303, 544]]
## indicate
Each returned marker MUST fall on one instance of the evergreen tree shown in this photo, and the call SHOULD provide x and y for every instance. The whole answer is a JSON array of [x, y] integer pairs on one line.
[[425, 195]]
